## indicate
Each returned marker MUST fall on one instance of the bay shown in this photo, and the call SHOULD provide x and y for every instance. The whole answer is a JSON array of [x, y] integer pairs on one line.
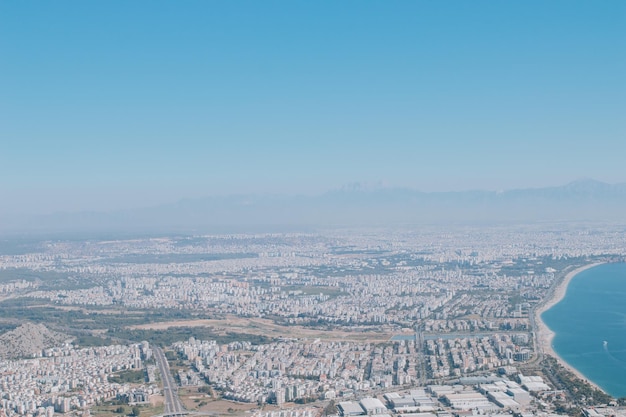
[[590, 326]]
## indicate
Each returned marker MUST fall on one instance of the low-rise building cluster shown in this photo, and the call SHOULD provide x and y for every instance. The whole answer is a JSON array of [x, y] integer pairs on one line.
[[463, 355], [65, 378]]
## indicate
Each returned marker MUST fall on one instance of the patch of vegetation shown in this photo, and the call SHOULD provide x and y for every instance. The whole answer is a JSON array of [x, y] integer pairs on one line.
[[331, 409], [117, 409], [48, 280], [582, 392], [85, 340], [168, 336], [305, 400], [7, 327], [88, 317], [130, 376], [179, 257]]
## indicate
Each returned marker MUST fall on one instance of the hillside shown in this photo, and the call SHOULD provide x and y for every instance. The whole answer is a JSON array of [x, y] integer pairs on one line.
[[28, 340]]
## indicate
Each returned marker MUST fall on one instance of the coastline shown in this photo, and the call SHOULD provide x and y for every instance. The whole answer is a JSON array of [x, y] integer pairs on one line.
[[545, 335]]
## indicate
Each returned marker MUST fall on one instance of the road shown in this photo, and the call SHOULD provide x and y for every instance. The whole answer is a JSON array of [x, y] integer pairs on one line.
[[421, 354], [173, 405]]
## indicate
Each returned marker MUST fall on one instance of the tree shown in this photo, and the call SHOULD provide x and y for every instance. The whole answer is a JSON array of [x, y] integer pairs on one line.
[[331, 409], [136, 411]]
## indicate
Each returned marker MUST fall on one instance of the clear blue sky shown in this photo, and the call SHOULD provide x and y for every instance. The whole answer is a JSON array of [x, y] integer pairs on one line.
[[115, 104]]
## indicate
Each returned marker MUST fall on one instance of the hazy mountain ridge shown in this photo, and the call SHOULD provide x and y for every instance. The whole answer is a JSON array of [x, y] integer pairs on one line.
[[355, 205]]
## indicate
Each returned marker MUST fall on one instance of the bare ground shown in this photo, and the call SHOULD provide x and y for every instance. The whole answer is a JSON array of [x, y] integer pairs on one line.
[[265, 327]]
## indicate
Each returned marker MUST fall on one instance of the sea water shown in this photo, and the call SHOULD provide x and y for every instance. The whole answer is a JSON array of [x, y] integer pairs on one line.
[[590, 326]]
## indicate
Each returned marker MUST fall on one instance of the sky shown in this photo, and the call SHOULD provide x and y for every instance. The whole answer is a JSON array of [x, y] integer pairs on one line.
[[116, 104]]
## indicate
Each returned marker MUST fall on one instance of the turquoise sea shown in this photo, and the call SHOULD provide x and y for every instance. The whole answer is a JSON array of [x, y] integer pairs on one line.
[[590, 326]]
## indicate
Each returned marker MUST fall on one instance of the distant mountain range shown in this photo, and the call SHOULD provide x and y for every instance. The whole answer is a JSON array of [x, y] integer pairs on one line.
[[354, 205]]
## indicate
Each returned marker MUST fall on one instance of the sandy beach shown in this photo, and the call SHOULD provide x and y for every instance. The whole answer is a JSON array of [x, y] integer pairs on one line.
[[544, 334]]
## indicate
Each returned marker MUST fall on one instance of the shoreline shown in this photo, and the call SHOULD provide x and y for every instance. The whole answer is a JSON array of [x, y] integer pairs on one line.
[[545, 335]]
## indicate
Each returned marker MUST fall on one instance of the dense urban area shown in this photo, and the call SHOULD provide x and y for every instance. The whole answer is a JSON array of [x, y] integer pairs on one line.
[[416, 322]]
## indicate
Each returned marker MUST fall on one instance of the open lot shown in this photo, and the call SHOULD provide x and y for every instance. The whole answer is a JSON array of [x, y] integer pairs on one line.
[[265, 327]]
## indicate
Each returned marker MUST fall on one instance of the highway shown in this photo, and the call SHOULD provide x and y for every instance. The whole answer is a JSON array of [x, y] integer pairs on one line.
[[173, 405]]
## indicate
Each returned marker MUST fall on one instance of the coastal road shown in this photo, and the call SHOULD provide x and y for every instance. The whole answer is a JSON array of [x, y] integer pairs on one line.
[[173, 405], [534, 319]]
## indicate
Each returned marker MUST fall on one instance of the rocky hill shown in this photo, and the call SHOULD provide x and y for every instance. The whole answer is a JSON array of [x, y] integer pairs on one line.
[[27, 340]]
